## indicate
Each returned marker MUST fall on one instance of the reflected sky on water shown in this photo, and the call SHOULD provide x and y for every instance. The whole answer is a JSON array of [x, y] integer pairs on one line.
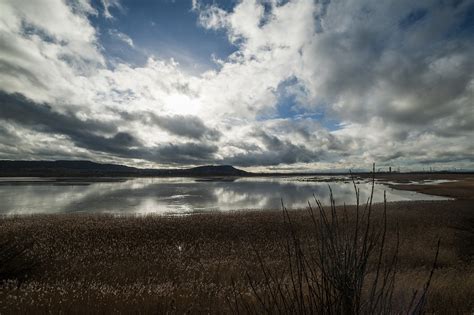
[[178, 195]]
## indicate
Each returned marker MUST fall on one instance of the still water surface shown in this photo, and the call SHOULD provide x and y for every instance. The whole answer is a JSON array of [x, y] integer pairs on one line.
[[178, 195]]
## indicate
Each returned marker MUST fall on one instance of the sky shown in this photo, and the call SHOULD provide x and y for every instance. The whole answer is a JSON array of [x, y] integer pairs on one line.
[[259, 84]]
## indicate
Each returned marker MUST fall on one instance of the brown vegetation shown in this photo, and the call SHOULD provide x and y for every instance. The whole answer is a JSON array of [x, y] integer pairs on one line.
[[195, 263], [347, 267]]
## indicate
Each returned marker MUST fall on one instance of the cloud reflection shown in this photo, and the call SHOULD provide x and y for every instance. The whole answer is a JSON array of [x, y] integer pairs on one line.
[[182, 195]]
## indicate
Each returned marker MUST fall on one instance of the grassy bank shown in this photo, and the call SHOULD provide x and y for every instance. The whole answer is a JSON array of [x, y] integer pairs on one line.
[[197, 263]]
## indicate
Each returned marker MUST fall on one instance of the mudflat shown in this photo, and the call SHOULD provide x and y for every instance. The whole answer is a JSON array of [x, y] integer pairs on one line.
[[460, 187]]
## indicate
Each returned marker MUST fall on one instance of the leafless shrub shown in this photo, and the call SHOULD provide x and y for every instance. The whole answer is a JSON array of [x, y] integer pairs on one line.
[[346, 269]]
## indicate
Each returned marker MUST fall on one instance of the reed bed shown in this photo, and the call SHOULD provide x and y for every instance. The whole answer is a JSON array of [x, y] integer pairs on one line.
[[245, 261]]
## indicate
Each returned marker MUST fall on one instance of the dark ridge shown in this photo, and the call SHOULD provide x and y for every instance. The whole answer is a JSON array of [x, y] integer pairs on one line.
[[87, 168], [62, 168], [62, 164], [217, 170]]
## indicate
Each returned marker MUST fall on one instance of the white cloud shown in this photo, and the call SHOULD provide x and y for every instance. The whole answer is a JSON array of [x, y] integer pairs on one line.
[[107, 4], [211, 17], [122, 37], [44, 44], [401, 95]]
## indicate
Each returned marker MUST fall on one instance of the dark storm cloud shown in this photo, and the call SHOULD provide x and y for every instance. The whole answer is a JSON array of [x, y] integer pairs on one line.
[[276, 151], [429, 94], [412, 74], [187, 126], [5, 133], [390, 157], [183, 153], [17, 109], [8, 141], [448, 157]]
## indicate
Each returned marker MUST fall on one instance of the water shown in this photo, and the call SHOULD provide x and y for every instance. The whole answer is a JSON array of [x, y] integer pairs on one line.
[[178, 195]]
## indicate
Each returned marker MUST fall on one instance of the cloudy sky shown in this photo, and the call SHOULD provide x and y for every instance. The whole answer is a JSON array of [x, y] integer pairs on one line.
[[259, 84]]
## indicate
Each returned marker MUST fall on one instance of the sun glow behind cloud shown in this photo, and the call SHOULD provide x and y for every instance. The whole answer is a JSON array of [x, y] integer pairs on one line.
[[389, 82], [181, 104]]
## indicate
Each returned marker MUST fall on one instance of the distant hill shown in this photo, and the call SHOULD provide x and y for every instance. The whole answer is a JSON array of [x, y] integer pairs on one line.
[[217, 170], [87, 168], [62, 168], [61, 164]]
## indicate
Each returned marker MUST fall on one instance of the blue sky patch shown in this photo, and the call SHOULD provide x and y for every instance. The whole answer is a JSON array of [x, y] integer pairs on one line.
[[290, 107], [165, 29]]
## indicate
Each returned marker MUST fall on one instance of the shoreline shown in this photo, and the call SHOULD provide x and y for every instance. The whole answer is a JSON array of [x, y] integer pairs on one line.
[[462, 189]]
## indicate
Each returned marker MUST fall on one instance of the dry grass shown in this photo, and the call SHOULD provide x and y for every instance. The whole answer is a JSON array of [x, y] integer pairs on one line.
[[347, 267], [14, 265], [194, 263]]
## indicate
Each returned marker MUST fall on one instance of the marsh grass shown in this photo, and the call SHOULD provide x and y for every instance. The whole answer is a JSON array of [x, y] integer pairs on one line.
[[14, 263], [202, 263], [347, 268]]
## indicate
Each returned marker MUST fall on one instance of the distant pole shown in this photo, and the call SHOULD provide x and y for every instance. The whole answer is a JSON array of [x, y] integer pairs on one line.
[[390, 169]]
